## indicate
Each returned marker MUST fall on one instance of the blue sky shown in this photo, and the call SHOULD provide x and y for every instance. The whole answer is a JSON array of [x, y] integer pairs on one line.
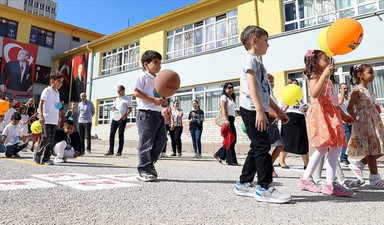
[[109, 16]]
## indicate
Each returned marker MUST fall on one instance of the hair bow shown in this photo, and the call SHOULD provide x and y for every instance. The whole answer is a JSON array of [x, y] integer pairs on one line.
[[355, 67], [310, 53]]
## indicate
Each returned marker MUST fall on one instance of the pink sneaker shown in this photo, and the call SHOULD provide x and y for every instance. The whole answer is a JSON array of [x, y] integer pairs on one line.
[[274, 174], [309, 185], [336, 189], [357, 171]]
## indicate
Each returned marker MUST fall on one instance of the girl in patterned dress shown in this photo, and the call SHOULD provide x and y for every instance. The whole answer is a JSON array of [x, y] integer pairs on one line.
[[324, 124], [368, 133]]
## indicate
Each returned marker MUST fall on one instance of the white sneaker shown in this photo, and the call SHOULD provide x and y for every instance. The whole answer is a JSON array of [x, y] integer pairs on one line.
[[271, 195], [376, 181], [163, 155], [357, 171], [352, 183], [246, 189], [58, 160]]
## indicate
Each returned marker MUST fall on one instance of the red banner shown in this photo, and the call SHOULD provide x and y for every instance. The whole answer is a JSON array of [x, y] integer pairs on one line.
[[65, 68], [80, 65], [18, 69]]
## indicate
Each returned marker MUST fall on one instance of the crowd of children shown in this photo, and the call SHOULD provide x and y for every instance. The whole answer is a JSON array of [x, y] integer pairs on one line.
[[324, 122]]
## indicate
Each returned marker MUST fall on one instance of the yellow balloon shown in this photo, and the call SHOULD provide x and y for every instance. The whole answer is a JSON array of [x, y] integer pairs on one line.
[[323, 42], [291, 94], [36, 127]]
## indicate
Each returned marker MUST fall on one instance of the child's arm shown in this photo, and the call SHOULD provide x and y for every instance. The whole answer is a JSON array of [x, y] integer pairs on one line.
[[261, 119], [31, 118], [280, 114], [3, 139], [157, 101], [347, 119], [316, 85], [41, 118], [352, 101]]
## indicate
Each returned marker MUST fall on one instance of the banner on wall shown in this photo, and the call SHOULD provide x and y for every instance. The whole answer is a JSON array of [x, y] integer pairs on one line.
[[65, 68], [79, 79], [18, 69]]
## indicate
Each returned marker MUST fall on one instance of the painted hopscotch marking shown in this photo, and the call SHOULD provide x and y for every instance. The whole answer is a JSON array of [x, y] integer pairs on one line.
[[96, 184], [6, 185], [121, 177], [63, 176]]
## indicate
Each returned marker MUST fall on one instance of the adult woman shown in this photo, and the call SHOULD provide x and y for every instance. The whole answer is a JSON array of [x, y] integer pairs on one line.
[[176, 128], [294, 133], [196, 119], [31, 110], [227, 107]]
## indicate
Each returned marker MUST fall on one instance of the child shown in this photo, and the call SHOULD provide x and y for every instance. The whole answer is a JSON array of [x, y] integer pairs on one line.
[[36, 137], [67, 143], [9, 113], [367, 134], [324, 125], [254, 108], [150, 122], [24, 119], [3, 149], [12, 137], [49, 116]]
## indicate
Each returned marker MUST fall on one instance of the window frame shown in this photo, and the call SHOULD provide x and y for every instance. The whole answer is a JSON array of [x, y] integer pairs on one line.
[[42, 33], [6, 23], [108, 103]]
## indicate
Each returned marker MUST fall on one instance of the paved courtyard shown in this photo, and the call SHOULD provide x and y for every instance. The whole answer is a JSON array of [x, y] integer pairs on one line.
[[103, 190]]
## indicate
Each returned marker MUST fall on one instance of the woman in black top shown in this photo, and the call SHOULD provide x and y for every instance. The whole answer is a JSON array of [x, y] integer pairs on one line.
[[196, 119]]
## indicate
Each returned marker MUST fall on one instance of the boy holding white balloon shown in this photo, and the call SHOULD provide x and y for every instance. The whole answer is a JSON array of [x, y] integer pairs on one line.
[[149, 121], [49, 116], [122, 107], [254, 109]]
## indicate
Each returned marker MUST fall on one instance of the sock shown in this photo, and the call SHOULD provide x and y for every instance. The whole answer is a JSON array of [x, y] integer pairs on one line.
[[314, 161]]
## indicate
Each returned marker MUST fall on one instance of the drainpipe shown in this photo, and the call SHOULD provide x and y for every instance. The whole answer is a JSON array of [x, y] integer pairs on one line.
[[90, 72]]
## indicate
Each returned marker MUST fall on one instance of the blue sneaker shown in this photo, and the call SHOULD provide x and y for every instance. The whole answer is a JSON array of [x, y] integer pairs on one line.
[[246, 189], [271, 195]]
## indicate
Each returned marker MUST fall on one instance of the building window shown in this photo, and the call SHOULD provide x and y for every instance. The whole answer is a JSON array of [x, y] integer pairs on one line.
[[41, 6], [30, 2], [52, 9], [304, 13], [205, 35], [36, 4], [41, 37], [47, 8], [120, 59], [42, 74], [8, 28], [207, 96], [105, 111], [75, 39]]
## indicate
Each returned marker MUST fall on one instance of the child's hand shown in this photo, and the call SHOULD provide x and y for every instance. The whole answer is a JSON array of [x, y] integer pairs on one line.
[[349, 119], [159, 101], [283, 117], [42, 120], [261, 121], [328, 71]]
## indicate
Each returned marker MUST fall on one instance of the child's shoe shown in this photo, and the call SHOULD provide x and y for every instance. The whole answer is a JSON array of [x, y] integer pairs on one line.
[[58, 160], [352, 183], [357, 169], [309, 185], [376, 181], [247, 189], [271, 194], [336, 189]]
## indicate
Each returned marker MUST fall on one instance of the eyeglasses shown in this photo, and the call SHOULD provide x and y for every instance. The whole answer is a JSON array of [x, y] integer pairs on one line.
[[230, 88]]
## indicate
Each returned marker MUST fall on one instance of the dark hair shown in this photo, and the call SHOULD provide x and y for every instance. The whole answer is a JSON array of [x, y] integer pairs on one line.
[[196, 103], [22, 107], [233, 96], [291, 80], [249, 32], [270, 76], [16, 116], [56, 75], [176, 100], [355, 70], [9, 99], [121, 87], [148, 56], [69, 120], [312, 64]]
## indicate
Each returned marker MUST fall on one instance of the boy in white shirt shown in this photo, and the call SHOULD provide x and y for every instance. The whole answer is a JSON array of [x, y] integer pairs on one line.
[[2, 125], [49, 107], [12, 138], [149, 121], [9, 113]]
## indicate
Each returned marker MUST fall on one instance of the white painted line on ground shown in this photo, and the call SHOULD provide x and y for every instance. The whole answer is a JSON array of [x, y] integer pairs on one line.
[[63, 176], [6, 185], [97, 184], [121, 177]]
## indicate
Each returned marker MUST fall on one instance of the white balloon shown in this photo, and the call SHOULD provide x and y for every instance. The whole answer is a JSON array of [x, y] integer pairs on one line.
[[116, 115]]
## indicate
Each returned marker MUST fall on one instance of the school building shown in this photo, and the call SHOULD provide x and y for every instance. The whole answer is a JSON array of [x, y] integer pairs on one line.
[[51, 36], [201, 43]]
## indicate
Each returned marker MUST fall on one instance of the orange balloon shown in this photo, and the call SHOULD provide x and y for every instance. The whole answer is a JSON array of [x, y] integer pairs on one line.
[[4, 106], [344, 36]]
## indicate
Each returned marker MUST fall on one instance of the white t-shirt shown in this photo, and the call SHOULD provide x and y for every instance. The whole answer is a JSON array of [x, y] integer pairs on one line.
[[231, 105], [12, 132], [252, 62], [2, 125], [122, 104], [51, 98], [8, 115], [298, 108], [344, 105], [24, 127], [146, 84]]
